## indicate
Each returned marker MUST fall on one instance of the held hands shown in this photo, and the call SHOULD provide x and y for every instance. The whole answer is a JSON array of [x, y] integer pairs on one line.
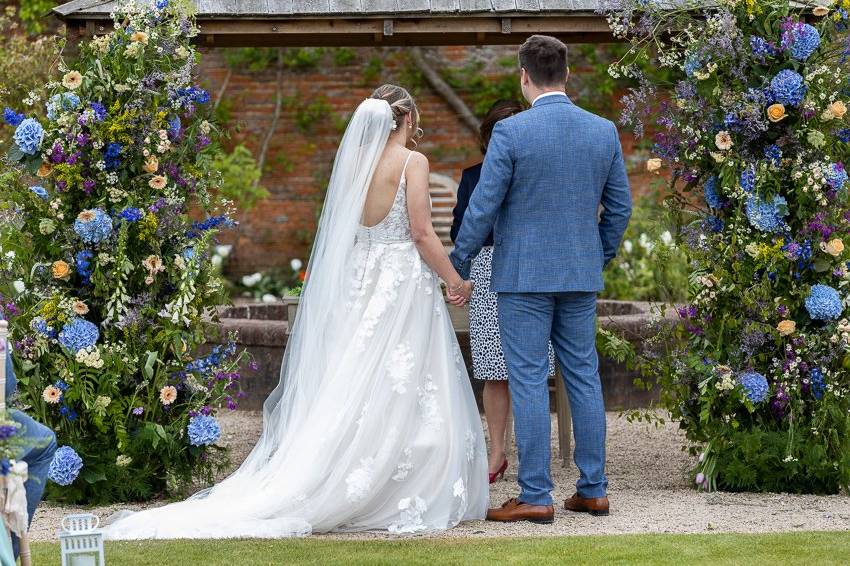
[[459, 295]]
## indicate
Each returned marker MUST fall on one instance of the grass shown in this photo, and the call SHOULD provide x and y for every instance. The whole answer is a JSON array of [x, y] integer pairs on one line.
[[809, 548]]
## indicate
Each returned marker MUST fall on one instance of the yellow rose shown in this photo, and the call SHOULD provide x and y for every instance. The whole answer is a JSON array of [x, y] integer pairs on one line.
[[61, 270], [151, 164], [833, 247], [786, 327], [776, 112], [838, 109], [653, 165]]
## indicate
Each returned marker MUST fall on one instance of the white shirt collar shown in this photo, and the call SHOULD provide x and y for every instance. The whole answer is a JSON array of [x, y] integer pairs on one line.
[[553, 93]]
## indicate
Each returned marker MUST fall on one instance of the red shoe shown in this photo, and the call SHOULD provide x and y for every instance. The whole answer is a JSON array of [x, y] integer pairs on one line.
[[500, 473]]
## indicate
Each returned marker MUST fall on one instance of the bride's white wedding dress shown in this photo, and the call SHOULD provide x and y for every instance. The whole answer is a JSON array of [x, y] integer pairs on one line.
[[374, 426]]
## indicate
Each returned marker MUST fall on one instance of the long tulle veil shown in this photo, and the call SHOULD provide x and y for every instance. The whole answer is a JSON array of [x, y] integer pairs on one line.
[[324, 293]]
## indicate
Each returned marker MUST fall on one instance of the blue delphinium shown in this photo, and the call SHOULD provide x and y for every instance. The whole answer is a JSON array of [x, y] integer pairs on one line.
[[714, 223], [203, 430], [78, 335], [787, 87], [712, 198], [174, 126], [68, 413], [755, 386], [213, 360], [83, 263], [824, 303], [11, 117], [28, 136], [40, 192], [40, 325], [748, 178], [766, 216], [774, 154], [111, 156], [7, 431], [161, 4], [65, 467], [761, 48], [99, 111], [93, 226], [65, 101], [131, 214], [818, 383], [211, 223], [844, 135], [836, 176]]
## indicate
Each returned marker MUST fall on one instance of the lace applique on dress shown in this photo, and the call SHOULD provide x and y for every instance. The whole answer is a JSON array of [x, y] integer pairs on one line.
[[399, 366], [428, 405], [360, 480], [405, 466], [410, 519]]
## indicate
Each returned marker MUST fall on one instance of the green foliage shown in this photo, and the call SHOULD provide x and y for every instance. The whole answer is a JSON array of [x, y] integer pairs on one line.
[[240, 177], [251, 58], [483, 90], [343, 56], [372, 71], [33, 14], [308, 113], [649, 265], [143, 280]]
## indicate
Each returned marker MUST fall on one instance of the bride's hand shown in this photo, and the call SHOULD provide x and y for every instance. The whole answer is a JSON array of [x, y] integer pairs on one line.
[[460, 295]]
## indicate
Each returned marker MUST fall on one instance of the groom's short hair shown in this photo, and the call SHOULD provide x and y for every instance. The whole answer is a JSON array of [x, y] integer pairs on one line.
[[544, 58]]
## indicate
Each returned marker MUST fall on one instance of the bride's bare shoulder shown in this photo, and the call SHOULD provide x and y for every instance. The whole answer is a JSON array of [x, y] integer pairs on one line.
[[417, 160]]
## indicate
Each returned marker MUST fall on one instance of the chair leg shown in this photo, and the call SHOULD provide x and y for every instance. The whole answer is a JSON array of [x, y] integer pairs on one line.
[[565, 424]]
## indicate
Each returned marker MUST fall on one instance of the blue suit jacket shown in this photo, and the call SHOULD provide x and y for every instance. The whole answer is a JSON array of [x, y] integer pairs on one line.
[[545, 175]]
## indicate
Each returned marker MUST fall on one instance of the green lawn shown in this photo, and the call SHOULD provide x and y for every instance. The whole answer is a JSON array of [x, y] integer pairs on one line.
[[809, 548]]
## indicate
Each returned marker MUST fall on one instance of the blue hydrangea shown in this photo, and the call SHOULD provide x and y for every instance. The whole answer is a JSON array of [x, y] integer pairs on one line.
[[787, 87], [773, 153], [93, 226], [28, 136], [65, 467], [692, 65], [824, 303], [203, 430], [712, 198], [11, 117], [755, 386], [131, 214], [78, 335], [804, 40], [66, 102], [40, 192], [766, 216], [748, 179], [836, 176], [818, 383]]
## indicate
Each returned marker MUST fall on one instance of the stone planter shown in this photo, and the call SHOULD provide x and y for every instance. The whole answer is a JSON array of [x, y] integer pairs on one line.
[[264, 330]]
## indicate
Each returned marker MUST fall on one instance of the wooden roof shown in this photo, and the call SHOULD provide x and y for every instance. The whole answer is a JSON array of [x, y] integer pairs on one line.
[[370, 22]]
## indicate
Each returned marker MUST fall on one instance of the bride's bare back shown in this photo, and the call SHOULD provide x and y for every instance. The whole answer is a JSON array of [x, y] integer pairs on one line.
[[385, 185]]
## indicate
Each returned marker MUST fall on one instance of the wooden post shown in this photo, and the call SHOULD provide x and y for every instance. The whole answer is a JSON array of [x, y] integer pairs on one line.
[[565, 422]]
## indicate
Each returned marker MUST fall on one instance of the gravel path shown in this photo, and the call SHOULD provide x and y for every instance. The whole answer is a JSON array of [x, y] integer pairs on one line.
[[648, 489]]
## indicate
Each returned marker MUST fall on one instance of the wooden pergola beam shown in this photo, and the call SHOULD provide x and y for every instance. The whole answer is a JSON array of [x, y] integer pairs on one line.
[[504, 29]]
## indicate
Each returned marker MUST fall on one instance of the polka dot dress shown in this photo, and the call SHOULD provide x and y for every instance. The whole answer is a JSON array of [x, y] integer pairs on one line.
[[488, 360]]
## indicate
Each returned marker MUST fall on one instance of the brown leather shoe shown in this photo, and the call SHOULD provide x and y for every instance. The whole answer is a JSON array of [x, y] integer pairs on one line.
[[515, 510], [596, 506]]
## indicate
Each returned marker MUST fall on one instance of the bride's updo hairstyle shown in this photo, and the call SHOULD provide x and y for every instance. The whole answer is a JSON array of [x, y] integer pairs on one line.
[[401, 104]]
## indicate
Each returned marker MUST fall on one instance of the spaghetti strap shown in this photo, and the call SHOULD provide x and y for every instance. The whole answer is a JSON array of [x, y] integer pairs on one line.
[[404, 169]]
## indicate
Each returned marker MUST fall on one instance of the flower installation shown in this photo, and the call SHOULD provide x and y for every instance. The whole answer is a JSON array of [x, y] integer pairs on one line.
[[753, 133], [110, 215]]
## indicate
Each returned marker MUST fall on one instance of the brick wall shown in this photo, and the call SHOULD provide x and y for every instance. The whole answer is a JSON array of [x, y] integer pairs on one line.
[[299, 163]]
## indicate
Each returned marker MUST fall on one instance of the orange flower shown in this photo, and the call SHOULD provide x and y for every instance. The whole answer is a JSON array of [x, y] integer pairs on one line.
[[80, 308], [838, 109], [653, 165], [45, 170], [776, 112], [140, 37], [786, 327], [61, 270], [72, 80], [158, 182], [302, 276], [51, 394], [168, 394], [87, 216], [151, 164]]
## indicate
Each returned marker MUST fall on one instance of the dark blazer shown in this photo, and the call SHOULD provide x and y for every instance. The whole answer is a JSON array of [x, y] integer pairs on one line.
[[468, 180], [546, 172]]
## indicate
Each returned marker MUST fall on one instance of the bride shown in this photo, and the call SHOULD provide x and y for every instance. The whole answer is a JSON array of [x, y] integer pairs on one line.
[[373, 425]]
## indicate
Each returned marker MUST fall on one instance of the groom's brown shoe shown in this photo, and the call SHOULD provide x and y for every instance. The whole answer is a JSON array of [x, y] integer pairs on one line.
[[597, 506], [515, 510]]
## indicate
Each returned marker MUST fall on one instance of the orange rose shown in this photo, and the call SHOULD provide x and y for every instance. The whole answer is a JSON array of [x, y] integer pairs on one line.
[[838, 109], [61, 270], [151, 164], [786, 327], [776, 112], [653, 165]]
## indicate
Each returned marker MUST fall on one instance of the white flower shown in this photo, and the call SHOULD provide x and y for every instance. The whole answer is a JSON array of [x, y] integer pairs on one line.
[[723, 140], [19, 286], [251, 280], [269, 298], [296, 264], [628, 246], [223, 250], [122, 461], [667, 238]]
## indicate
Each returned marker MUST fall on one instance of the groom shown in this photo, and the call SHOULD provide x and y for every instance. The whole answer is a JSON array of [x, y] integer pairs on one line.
[[546, 173]]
